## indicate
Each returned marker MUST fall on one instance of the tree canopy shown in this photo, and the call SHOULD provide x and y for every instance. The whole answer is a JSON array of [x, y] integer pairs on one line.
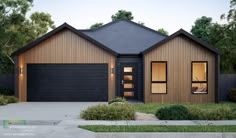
[[163, 31], [202, 27], [122, 14], [96, 25], [220, 36], [16, 29]]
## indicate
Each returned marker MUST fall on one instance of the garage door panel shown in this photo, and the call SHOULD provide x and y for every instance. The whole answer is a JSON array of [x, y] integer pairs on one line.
[[67, 82]]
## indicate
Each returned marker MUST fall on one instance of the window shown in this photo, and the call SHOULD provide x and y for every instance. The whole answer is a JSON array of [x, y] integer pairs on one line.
[[159, 77], [199, 77]]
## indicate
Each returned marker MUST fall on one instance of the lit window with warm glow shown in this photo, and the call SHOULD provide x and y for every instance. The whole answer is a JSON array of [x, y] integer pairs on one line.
[[159, 77], [199, 77]]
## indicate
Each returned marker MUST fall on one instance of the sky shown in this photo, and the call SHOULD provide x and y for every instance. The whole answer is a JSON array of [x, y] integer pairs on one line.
[[171, 15]]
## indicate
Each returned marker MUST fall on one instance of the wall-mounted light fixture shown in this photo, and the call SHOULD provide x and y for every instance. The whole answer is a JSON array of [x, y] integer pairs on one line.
[[21, 70], [112, 70]]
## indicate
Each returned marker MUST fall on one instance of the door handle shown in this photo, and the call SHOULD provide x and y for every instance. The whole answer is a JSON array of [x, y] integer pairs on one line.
[[122, 82]]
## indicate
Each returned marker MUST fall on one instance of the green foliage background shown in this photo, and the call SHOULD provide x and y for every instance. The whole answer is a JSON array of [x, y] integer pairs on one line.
[[220, 36]]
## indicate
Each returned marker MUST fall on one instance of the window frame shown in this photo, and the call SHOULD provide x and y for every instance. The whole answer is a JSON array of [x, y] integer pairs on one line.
[[159, 81], [192, 82]]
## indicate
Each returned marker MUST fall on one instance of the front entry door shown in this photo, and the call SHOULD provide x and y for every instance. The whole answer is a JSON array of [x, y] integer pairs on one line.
[[128, 81]]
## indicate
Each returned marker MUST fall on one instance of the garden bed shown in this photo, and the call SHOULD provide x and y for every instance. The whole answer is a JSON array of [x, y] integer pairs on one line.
[[120, 109]]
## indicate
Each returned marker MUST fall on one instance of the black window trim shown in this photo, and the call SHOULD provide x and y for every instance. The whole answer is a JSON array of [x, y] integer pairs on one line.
[[199, 81], [159, 81]]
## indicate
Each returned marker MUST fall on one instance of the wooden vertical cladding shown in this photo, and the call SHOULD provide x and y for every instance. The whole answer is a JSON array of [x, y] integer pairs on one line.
[[65, 47], [179, 53]]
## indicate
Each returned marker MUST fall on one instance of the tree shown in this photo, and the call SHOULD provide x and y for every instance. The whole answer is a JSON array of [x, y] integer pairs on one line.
[[141, 23], [96, 25], [162, 31], [122, 14], [202, 27], [231, 17], [41, 22], [220, 36], [16, 29]]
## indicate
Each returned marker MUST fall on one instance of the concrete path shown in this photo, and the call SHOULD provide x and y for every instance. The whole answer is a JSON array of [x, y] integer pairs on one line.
[[44, 131], [69, 129], [43, 110]]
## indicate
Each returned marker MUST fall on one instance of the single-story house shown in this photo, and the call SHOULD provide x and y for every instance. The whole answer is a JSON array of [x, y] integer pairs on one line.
[[121, 58]]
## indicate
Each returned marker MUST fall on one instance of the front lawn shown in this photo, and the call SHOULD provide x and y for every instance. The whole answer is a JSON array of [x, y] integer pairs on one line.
[[152, 108], [160, 128]]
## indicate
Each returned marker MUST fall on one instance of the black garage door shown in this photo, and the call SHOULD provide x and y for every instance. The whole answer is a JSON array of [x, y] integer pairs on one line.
[[67, 82]]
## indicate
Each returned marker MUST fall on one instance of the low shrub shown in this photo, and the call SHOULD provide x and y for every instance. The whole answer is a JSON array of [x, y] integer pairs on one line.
[[197, 113], [179, 112], [6, 91], [221, 113], [11, 99], [109, 112], [118, 99], [232, 94], [175, 112], [3, 100]]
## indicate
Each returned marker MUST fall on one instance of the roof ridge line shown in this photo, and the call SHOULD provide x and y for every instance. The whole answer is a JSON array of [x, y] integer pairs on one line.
[[129, 21]]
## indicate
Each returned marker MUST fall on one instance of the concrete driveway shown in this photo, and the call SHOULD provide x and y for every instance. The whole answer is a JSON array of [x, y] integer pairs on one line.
[[44, 110]]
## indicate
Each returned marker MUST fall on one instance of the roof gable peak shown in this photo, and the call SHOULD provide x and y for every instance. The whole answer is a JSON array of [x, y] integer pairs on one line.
[[55, 31], [186, 34]]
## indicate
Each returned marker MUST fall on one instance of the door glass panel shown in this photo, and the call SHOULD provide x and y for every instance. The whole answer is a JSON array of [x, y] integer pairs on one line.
[[128, 69], [128, 77], [128, 94], [128, 85]]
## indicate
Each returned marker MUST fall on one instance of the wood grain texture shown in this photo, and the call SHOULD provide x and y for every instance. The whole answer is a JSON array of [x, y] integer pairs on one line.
[[179, 53], [65, 48]]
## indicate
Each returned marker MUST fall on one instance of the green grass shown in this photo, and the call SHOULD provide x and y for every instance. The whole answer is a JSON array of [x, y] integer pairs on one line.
[[160, 128], [152, 108]]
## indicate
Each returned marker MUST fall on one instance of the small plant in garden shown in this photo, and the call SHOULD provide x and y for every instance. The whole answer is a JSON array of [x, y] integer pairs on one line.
[[118, 99], [11, 99], [175, 112], [7, 99], [109, 112], [3, 101]]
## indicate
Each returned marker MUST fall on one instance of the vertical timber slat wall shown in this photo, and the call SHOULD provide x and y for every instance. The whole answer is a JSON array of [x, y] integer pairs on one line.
[[179, 53]]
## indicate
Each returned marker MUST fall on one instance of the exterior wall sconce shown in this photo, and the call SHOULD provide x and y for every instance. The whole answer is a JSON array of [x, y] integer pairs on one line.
[[112, 70], [21, 70]]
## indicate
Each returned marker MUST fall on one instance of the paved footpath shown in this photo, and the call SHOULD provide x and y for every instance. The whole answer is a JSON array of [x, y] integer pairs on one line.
[[69, 129]]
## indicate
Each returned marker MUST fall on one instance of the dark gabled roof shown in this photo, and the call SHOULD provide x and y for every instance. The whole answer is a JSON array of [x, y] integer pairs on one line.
[[125, 37], [59, 29], [188, 35], [120, 37]]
